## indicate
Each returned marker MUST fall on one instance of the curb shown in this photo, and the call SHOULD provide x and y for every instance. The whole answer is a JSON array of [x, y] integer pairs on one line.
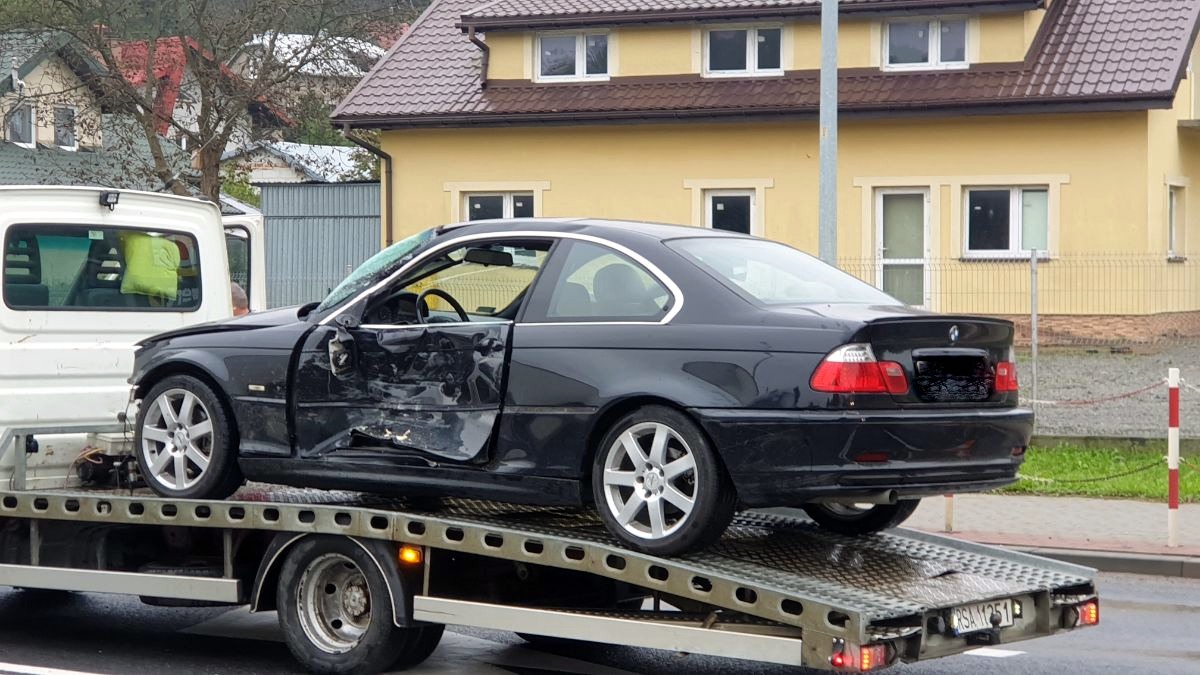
[[1185, 567]]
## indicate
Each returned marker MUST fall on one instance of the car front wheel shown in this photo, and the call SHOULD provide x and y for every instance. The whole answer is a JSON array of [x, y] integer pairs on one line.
[[855, 519], [185, 441], [658, 484]]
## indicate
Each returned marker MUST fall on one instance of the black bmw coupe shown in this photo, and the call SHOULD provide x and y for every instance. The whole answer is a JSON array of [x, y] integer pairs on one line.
[[668, 375]]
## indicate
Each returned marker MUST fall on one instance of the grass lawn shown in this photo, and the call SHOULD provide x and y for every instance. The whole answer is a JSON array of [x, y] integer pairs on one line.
[[1061, 465]]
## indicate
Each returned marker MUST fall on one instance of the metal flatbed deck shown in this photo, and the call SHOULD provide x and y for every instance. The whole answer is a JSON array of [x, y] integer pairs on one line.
[[770, 571]]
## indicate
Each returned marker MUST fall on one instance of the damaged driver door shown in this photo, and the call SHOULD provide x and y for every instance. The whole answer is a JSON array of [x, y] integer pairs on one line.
[[420, 376]]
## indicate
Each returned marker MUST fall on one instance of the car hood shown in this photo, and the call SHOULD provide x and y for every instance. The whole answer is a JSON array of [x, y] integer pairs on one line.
[[268, 319]]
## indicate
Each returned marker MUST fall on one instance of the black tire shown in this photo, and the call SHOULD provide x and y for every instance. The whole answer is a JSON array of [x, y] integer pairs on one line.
[[861, 521], [712, 492], [382, 646], [222, 477]]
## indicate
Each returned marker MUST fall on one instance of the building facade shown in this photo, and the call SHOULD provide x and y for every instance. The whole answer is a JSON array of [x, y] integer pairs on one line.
[[971, 133]]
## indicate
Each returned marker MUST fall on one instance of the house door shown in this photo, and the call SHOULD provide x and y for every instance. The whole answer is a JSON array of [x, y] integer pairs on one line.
[[901, 241]]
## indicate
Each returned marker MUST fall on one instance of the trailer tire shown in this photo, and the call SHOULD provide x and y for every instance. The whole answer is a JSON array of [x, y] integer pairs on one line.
[[336, 614], [659, 483], [854, 521], [214, 432]]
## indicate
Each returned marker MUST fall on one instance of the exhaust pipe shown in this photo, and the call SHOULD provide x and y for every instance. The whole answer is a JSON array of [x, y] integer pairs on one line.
[[881, 497]]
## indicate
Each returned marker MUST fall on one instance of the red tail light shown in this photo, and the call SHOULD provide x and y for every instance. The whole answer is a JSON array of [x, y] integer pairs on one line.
[[1006, 377], [852, 369], [1089, 613]]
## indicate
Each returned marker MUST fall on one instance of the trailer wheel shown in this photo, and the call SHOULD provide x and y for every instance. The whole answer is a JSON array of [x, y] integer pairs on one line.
[[854, 520], [658, 484], [184, 441], [336, 613]]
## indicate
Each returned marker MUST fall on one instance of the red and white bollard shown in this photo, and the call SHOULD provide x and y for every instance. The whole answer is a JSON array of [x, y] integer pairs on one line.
[[1173, 459]]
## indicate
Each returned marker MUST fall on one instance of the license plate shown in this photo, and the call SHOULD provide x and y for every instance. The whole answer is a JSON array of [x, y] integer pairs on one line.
[[977, 617]]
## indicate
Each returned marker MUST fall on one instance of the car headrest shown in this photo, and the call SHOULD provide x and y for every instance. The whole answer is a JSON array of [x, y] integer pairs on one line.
[[488, 257], [22, 260], [618, 282]]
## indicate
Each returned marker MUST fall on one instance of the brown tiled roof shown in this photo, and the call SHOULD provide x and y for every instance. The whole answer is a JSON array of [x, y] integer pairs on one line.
[[1095, 54], [501, 14]]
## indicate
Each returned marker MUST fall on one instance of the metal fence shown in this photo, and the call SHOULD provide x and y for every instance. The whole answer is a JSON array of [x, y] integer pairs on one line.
[[317, 233], [1079, 299]]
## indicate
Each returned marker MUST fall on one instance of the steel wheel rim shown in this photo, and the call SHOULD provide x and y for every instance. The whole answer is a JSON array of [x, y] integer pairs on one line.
[[650, 484], [334, 603], [177, 439]]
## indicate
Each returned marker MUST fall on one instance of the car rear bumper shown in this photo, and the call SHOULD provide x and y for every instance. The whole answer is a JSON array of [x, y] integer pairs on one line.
[[786, 458]]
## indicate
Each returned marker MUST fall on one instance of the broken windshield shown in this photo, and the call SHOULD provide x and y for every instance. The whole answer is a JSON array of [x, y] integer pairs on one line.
[[375, 269]]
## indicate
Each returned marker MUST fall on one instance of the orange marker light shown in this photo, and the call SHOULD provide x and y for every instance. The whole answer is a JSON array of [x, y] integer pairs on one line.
[[1089, 613], [410, 555]]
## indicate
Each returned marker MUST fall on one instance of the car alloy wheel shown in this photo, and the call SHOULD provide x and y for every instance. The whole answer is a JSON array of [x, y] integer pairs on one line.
[[177, 439], [335, 603], [650, 480]]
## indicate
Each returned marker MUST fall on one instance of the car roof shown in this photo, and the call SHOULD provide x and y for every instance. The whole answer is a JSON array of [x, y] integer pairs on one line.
[[599, 227]]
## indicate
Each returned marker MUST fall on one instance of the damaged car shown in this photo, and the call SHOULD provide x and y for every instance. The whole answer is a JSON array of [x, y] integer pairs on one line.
[[667, 376]]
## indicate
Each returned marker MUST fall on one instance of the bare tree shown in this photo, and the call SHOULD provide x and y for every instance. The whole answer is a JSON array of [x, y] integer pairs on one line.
[[204, 74]]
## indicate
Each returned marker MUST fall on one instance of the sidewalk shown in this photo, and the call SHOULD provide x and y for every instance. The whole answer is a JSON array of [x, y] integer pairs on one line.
[[1113, 534]]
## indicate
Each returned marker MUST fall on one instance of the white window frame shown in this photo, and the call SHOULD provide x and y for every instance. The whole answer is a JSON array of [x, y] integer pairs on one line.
[[1176, 221], [74, 131], [32, 126], [581, 74], [507, 196], [935, 45], [926, 233], [727, 192], [1015, 213], [752, 69]]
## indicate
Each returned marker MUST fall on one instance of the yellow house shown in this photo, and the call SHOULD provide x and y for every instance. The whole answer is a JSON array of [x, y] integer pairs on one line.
[[972, 132], [43, 98]]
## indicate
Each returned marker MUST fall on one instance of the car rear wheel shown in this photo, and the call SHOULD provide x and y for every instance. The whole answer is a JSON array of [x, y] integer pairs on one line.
[[855, 519], [185, 441], [658, 484]]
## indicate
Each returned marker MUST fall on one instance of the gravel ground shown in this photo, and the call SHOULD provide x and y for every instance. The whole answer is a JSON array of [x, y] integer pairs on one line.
[[1072, 375]]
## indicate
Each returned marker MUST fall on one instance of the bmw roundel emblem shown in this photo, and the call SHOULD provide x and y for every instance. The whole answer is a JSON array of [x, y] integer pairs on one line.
[[953, 333]]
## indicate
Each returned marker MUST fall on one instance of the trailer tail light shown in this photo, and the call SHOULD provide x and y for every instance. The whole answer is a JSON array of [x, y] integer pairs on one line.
[[1089, 613], [410, 555], [853, 369], [864, 659], [1006, 377]]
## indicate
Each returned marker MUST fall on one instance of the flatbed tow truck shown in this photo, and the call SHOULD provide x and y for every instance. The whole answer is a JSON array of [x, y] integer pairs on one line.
[[363, 583]]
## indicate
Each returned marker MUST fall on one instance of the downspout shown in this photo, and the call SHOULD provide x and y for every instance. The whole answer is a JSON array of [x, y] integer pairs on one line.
[[487, 55], [387, 180]]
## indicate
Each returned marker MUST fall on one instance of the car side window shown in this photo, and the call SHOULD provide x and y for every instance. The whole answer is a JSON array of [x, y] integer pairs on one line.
[[81, 267], [597, 283]]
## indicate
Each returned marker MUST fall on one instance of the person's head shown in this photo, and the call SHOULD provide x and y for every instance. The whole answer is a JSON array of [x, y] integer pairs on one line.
[[241, 304]]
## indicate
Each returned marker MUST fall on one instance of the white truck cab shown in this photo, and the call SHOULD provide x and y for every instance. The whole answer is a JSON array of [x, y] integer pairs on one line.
[[88, 272]]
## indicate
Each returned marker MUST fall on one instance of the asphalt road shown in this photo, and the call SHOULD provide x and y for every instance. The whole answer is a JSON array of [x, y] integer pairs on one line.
[[1148, 625]]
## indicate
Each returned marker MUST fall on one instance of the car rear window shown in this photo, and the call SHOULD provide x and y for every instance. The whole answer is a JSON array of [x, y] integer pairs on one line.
[[774, 274]]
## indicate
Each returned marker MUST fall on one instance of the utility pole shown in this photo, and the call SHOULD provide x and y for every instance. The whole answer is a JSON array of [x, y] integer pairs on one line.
[[828, 212]]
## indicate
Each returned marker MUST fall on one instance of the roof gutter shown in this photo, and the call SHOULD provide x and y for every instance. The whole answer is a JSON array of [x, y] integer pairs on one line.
[[487, 56], [387, 180]]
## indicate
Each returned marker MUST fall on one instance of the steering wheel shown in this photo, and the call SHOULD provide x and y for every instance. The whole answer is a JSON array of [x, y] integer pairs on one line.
[[462, 313]]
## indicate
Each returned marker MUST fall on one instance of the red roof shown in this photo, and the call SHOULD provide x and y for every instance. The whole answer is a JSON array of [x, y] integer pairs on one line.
[[169, 67], [1089, 54]]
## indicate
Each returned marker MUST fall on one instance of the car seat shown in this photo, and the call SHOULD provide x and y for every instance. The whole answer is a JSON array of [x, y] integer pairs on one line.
[[621, 292], [23, 285], [101, 282], [571, 300]]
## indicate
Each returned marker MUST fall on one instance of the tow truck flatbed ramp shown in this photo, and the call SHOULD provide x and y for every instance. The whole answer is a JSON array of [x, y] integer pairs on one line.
[[775, 588]]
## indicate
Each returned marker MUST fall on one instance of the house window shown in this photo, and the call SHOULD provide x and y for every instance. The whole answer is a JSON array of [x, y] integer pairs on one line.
[[21, 128], [64, 128], [1176, 221], [730, 210], [743, 51], [1006, 222], [487, 206], [924, 44], [572, 56]]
